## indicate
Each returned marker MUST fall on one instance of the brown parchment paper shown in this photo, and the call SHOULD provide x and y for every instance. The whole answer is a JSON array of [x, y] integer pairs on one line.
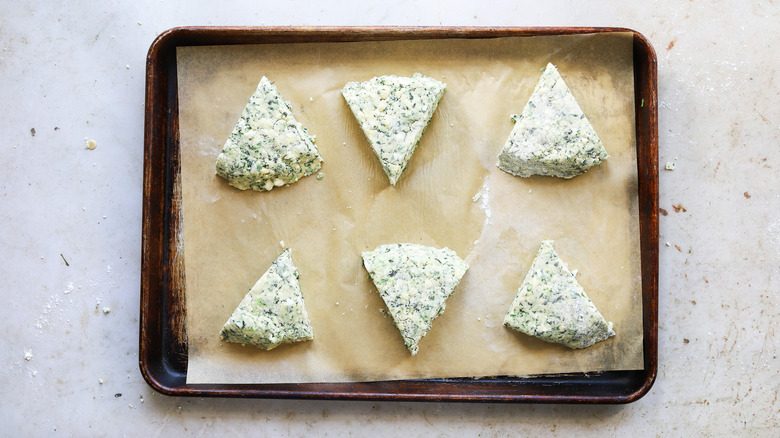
[[451, 194]]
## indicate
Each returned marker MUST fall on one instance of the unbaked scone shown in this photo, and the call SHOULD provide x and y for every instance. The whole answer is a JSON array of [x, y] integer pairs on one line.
[[551, 136], [393, 112], [272, 312], [268, 148], [552, 306], [414, 281]]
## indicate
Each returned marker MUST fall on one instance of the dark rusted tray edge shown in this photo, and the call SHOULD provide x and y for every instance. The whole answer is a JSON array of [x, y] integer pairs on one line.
[[156, 317]]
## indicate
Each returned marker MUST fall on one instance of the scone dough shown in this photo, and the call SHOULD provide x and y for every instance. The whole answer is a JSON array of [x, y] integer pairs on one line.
[[552, 136], [268, 148], [552, 306], [393, 112], [272, 312], [414, 281]]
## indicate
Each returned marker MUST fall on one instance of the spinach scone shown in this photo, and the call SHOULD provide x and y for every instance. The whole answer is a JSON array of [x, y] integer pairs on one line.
[[268, 148], [272, 312], [552, 136], [552, 306], [414, 281], [393, 112]]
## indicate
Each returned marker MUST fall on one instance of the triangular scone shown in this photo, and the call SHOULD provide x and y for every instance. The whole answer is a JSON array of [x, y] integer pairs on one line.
[[393, 112], [552, 136], [268, 148], [553, 307], [414, 281], [272, 312]]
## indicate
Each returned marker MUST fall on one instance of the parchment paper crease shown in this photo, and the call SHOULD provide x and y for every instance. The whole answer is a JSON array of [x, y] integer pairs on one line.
[[451, 194]]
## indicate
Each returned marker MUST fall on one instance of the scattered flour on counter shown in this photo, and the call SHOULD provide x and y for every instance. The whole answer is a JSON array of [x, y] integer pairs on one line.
[[55, 303], [774, 232], [41, 323], [44, 320]]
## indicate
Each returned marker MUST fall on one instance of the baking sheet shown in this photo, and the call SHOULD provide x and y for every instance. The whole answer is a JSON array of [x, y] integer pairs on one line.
[[451, 194]]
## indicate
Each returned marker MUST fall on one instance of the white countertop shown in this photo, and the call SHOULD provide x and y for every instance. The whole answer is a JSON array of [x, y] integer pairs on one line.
[[75, 72]]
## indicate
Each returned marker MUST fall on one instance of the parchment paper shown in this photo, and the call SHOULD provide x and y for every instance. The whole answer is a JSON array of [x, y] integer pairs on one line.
[[451, 194]]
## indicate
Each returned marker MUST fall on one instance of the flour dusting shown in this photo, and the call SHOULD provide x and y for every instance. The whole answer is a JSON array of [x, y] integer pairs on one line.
[[774, 233]]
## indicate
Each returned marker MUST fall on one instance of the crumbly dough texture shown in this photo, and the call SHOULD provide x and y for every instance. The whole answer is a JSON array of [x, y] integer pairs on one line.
[[272, 313], [268, 148], [552, 136], [415, 282], [552, 306], [393, 112]]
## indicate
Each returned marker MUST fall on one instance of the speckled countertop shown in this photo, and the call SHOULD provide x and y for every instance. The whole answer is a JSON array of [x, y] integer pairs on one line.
[[71, 224]]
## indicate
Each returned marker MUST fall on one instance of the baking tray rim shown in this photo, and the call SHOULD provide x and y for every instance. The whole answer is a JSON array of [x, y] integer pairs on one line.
[[157, 361]]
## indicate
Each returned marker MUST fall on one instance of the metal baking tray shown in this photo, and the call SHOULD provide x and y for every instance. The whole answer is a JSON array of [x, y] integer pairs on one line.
[[163, 338]]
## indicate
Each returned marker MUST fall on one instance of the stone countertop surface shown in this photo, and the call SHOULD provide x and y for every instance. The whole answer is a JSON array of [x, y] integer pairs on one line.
[[71, 224]]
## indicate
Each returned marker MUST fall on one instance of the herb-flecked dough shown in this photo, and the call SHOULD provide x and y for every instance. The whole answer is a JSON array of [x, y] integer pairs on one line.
[[393, 112], [552, 306], [272, 312], [267, 148], [414, 281], [551, 136]]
